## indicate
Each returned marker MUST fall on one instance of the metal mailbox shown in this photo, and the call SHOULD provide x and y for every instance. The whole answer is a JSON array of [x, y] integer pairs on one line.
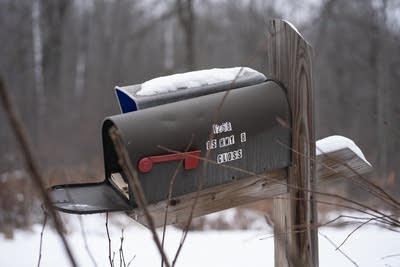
[[182, 128]]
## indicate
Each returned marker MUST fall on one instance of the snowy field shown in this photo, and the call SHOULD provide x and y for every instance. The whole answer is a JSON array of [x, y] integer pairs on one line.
[[369, 246]]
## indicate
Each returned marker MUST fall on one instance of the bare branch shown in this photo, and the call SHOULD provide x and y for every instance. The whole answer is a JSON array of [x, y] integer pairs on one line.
[[31, 164], [202, 176], [171, 185], [109, 243], [83, 233], [352, 232], [370, 187], [364, 184], [41, 236], [338, 249], [121, 251], [129, 263], [134, 183], [316, 226], [145, 29], [391, 256], [359, 204]]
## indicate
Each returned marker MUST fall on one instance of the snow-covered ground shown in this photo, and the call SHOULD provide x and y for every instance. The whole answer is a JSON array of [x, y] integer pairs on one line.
[[367, 247]]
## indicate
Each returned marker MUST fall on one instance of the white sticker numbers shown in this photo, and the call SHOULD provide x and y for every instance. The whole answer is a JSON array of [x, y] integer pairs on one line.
[[211, 144], [222, 142], [222, 127], [243, 137], [229, 156], [227, 141]]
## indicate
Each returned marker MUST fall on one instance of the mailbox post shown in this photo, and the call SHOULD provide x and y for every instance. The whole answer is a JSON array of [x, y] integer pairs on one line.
[[290, 62]]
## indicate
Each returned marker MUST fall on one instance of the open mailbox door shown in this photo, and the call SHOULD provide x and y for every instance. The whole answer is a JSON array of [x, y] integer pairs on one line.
[[162, 130]]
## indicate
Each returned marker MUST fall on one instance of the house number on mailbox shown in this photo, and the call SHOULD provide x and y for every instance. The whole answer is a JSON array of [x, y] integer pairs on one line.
[[225, 142]]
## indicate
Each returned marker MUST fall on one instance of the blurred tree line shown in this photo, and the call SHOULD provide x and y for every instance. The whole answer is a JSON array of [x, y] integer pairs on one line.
[[61, 59]]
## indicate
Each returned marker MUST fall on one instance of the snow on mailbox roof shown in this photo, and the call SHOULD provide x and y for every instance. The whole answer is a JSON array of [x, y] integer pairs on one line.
[[183, 86], [337, 142], [195, 79]]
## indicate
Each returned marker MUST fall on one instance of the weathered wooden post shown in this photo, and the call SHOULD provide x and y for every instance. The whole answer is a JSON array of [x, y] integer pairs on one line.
[[290, 62]]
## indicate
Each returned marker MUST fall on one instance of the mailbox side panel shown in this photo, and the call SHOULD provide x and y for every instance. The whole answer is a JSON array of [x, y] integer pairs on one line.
[[242, 137]]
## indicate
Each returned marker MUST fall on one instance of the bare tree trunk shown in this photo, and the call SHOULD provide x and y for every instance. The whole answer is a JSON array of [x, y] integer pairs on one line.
[[38, 67], [381, 96], [169, 46], [187, 20], [376, 58], [81, 59], [84, 20]]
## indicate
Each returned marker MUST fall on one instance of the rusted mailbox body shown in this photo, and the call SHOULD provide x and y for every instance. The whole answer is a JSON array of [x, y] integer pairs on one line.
[[245, 132]]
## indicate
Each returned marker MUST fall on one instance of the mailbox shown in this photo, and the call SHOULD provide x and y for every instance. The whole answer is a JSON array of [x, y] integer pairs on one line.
[[165, 129]]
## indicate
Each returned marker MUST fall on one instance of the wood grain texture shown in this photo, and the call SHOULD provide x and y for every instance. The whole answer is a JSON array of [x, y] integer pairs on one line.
[[251, 189], [290, 62], [280, 230], [217, 198]]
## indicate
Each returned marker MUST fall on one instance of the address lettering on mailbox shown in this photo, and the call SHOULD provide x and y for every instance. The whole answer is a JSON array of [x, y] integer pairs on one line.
[[226, 141], [229, 156]]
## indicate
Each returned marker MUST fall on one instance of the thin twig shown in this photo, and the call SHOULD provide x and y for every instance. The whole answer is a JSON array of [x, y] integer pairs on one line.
[[83, 233], [121, 251], [348, 217], [202, 176], [134, 183], [362, 186], [316, 226], [268, 178], [32, 167], [109, 243], [378, 192], [354, 230], [338, 249], [365, 184], [304, 155], [171, 184], [370, 186], [170, 189], [41, 236], [391, 256], [146, 29], [347, 199], [384, 218], [260, 48], [129, 263]]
